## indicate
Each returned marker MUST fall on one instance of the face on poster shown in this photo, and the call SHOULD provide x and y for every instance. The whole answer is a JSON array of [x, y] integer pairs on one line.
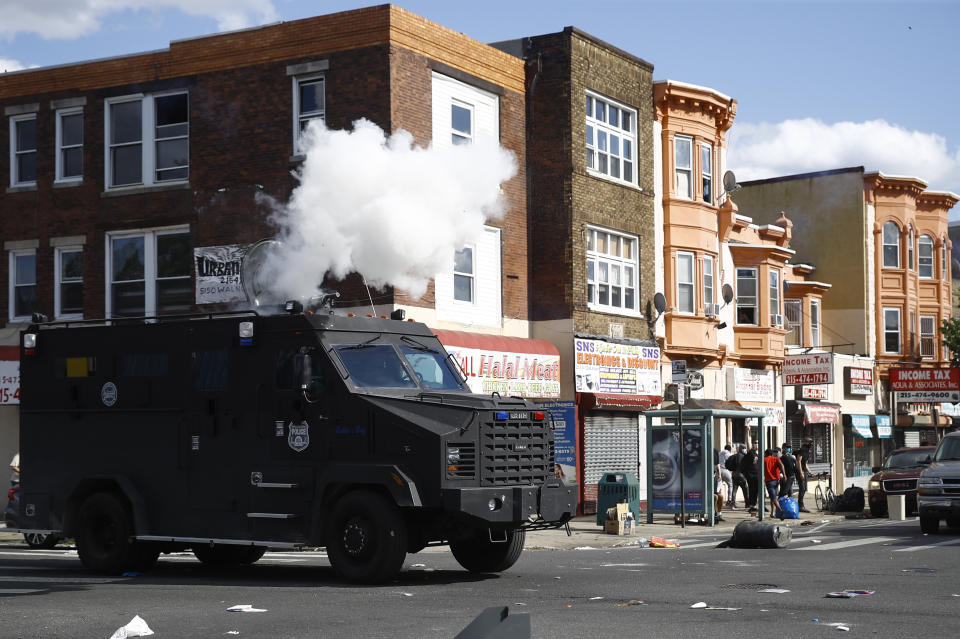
[[563, 415], [665, 454]]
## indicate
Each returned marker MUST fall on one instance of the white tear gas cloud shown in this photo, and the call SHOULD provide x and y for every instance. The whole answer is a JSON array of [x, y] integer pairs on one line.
[[758, 151], [56, 19], [384, 207]]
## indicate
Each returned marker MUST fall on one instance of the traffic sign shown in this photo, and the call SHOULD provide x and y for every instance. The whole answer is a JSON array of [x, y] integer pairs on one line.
[[681, 394]]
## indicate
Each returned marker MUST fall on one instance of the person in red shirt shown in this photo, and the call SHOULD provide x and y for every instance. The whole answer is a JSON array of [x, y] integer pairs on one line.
[[773, 470]]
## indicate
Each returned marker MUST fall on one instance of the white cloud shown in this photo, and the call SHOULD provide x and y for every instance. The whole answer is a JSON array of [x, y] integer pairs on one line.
[[67, 19], [758, 151], [6, 64]]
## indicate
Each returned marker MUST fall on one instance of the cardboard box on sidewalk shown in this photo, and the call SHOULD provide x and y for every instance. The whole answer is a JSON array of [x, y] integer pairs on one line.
[[619, 520]]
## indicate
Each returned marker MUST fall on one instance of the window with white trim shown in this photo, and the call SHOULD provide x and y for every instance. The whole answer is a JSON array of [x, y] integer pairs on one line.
[[686, 298], [943, 258], [611, 139], [149, 273], [68, 284], [706, 171], [461, 122], [463, 275], [309, 103], [775, 314], [708, 301], [925, 257], [747, 296], [793, 319], [815, 323], [69, 145], [910, 245], [683, 166], [928, 336], [147, 139], [23, 150], [891, 245], [612, 271], [891, 330], [23, 284]]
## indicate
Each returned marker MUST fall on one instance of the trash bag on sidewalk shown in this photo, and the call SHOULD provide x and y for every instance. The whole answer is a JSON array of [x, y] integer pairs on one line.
[[790, 508]]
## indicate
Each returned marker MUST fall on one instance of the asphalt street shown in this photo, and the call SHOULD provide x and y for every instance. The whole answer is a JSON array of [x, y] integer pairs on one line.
[[588, 590]]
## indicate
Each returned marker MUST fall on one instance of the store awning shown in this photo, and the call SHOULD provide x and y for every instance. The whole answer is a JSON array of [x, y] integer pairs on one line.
[[499, 343], [884, 430], [819, 412], [617, 401], [860, 425]]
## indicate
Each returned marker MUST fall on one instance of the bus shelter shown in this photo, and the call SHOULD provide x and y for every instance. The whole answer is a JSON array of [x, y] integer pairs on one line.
[[680, 477]]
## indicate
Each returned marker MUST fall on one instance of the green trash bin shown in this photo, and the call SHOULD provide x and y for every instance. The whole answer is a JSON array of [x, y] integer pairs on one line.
[[617, 488]]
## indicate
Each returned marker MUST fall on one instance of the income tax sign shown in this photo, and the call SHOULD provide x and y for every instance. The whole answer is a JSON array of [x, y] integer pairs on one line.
[[809, 368], [924, 379]]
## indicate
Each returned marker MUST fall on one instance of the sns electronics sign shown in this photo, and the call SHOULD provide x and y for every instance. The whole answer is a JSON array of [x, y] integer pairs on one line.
[[608, 367], [809, 368]]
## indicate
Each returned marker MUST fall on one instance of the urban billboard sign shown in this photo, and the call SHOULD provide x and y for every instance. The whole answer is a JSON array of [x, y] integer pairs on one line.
[[924, 379], [809, 368], [859, 381]]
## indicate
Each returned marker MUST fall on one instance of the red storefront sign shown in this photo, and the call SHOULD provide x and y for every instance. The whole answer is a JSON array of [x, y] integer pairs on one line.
[[924, 379]]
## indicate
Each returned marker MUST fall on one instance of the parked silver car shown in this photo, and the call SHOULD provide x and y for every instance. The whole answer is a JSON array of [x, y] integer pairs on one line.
[[938, 493]]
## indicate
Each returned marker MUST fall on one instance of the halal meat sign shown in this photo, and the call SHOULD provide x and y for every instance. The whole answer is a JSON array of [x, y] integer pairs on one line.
[[925, 379]]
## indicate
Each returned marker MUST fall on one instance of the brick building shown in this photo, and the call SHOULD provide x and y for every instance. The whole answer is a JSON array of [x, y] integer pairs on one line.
[[135, 181]]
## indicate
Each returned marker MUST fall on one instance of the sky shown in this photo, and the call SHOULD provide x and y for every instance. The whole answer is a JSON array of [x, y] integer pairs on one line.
[[820, 84]]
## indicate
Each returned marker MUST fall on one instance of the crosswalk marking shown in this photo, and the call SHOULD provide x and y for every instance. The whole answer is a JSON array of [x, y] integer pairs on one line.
[[852, 542], [949, 542]]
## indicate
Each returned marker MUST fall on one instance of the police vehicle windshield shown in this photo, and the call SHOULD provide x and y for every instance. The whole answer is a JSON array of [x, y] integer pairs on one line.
[[381, 366]]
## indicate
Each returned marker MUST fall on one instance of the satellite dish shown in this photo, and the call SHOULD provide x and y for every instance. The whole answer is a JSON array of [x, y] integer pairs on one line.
[[730, 182], [659, 303], [727, 292], [258, 274]]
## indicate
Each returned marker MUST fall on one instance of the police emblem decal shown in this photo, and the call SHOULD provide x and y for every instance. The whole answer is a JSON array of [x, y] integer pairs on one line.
[[108, 394], [299, 436]]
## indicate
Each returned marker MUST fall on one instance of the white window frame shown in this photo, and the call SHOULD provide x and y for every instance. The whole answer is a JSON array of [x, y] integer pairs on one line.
[[708, 282], [456, 135], [706, 172], [59, 282], [793, 306], [61, 148], [774, 296], [943, 258], [15, 152], [11, 291], [471, 277], [602, 134], [148, 140], [150, 277], [626, 265], [928, 337], [815, 323], [300, 119], [756, 296], [686, 170], [886, 244], [688, 285], [892, 312], [925, 257], [910, 248]]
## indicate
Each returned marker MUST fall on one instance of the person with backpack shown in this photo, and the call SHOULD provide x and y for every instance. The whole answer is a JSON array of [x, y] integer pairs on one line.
[[790, 468], [772, 472], [738, 481]]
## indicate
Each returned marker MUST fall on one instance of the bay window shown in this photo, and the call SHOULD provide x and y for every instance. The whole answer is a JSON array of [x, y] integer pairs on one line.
[[686, 299], [891, 245], [747, 296]]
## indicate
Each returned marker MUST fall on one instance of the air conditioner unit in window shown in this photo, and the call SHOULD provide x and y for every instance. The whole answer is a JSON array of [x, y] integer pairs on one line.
[[710, 310], [777, 321]]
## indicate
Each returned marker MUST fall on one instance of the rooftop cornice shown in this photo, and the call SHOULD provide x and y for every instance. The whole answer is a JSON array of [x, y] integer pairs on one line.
[[894, 184], [669, 96]]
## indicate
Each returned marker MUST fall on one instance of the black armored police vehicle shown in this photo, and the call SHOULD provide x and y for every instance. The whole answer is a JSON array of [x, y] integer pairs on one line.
[[229, 434]]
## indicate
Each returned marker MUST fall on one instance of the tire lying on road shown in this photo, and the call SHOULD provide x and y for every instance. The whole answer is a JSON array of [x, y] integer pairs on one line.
[[478, 553], [760, 534]]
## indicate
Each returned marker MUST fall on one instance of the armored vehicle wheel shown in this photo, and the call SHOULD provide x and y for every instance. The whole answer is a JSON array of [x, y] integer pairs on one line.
[[105, 535], [366, 537], [41, 540], [228, 555], [479, 554], [929, 524]]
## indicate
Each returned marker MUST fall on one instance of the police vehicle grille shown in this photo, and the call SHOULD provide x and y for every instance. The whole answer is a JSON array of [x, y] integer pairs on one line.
[[515, 452], [466, 468]]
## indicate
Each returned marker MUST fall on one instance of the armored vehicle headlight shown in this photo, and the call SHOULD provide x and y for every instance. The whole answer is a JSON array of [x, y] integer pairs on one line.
[[495, 503], [453, 455], [245, 331], [29, 343]]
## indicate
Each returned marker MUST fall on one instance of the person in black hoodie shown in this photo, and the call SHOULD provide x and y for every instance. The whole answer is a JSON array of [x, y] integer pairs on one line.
[[749, 468], [733, 465], [790, 468]]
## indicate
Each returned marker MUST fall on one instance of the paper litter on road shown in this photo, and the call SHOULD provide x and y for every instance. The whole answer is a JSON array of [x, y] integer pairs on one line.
[[660, 542], [595, 598], [699, 604], [721, 608], [136, 628], [584, 548], [846, 594], [842, 628], [778, 591], [245, 608], [232, 632]]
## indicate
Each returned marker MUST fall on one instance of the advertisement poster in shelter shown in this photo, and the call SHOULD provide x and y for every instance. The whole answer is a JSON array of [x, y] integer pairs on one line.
[[615, 368], [665, 452], [564, 422]]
